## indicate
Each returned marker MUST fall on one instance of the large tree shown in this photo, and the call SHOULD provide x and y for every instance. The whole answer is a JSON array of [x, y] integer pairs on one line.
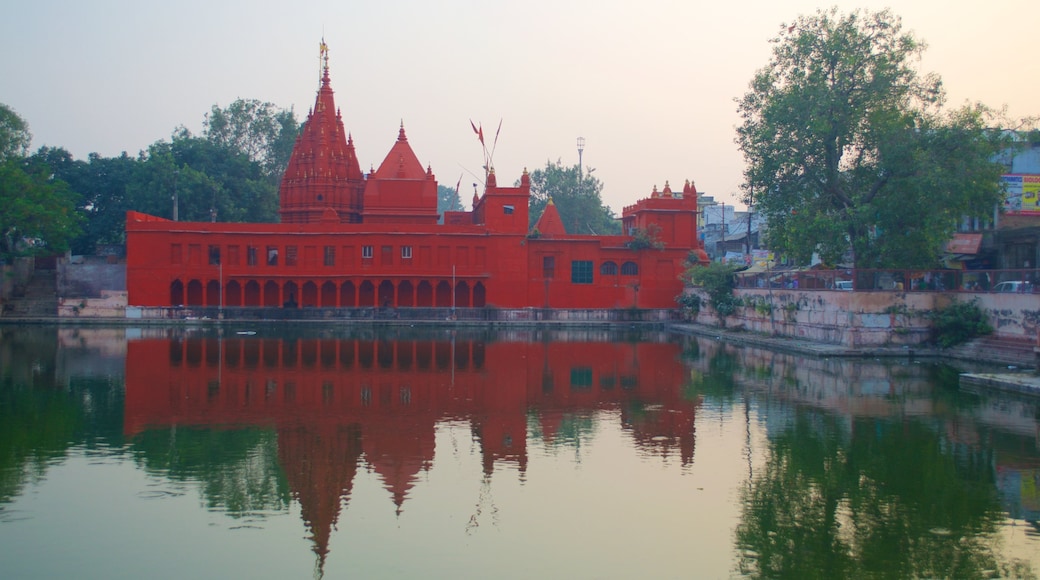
[[849, 148], [210, 181], [101, 183], [38, 213], [260, 130], [576, 195], [14, 134]]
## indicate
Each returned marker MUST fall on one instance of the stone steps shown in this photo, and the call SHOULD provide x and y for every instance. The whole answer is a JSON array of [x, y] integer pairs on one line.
[[39, 300], [1000, 351]]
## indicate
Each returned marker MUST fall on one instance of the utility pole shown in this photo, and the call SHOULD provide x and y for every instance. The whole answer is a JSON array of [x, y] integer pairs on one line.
[[176, 172], [581, 148], [751, 200]]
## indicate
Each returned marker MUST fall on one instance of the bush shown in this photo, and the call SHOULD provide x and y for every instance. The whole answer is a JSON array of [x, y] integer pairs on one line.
[[958, 323], [718, 281], [691, 303]]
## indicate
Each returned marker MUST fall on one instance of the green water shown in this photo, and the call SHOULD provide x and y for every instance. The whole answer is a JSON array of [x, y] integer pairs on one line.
[[327, 452]]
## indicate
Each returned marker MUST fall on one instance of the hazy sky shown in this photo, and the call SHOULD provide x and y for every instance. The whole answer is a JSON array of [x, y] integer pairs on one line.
[[649, 84]]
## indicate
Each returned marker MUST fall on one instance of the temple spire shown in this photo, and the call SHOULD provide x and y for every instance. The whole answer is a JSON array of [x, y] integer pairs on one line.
[[323, 61]]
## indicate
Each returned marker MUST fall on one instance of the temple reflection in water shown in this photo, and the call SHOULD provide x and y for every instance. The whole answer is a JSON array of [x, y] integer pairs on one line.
[[344, 403]]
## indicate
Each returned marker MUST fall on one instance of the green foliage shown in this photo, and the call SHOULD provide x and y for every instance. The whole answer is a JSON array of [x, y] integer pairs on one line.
[[848, 148], [718, 281], [689, 302], [38, 214], [14, 134], [208, 178], [649, 238], [101, 183], [958, 323], [894, 478], [448, 200], [260, 131], [578, 200]]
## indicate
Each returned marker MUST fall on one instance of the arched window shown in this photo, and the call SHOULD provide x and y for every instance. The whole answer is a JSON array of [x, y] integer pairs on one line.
[[629, 269], [608, 269]]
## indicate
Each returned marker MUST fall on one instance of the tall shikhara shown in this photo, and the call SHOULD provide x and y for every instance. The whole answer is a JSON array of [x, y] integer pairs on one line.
[[323, 178]]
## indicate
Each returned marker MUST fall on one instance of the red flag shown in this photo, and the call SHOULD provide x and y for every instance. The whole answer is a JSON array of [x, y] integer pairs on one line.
[[480, 134]]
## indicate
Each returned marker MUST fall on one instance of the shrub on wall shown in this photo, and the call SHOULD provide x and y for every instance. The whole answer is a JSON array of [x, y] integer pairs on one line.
[[718, 281], [958, 323]]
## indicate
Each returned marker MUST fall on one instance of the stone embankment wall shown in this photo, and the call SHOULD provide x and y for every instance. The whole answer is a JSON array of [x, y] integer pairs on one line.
[[14, 276], [111, 304], [90, 277], [858, 319]]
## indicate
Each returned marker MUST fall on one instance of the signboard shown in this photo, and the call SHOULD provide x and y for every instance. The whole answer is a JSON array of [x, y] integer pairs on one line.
[[1022, 192]]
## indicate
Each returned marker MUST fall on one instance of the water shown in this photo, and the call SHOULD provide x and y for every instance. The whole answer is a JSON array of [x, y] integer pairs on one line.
[[308, 452]]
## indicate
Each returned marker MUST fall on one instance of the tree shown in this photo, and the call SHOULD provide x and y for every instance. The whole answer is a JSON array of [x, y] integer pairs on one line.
[[14, 134], [261, 131], [848, 148], [210, 181], [577, 199], [38, 214], [101, 183], [448, 200]]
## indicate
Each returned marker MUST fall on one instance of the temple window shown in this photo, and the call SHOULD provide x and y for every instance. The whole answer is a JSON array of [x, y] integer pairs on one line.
[[330, 255], [549, 267], [366, 252], [214, 255], [194, 254], [176, 254], [629, 269], [581, 271], [232, 255], [290, 255], [507, 209], [250, 255], [272, 256], [406, 252], [608, 269]]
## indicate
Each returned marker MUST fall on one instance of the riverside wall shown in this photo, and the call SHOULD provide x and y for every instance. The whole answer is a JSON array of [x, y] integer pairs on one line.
[[867, 319]]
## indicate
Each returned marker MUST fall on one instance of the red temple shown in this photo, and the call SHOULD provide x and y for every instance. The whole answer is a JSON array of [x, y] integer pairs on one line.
[[354, 239]]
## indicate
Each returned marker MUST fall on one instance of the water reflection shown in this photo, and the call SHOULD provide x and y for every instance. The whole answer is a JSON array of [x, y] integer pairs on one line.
[[878, 470], [846, 467], [338, 404]]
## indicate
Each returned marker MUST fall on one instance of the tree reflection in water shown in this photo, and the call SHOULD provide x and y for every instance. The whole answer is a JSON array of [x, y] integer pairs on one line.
[[880, 498], [854, 468]]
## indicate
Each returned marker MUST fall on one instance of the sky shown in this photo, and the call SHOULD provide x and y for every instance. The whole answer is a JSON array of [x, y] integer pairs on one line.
[[650, 85]]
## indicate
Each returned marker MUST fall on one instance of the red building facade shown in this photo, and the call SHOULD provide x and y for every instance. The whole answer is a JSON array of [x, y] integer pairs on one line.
[[349, 239]]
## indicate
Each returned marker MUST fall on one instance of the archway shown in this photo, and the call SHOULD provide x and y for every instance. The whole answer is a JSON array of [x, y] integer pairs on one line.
[[328, 295], [479, 295], [405, 294], [347, 295], [233, 294], [309, 295], [252, 294], [386, 294], [272, 297], [424, 294], [367, 294], [176, 293], [290, 295], [194, 293], [443, 297], [213, 293], [462, 295]]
